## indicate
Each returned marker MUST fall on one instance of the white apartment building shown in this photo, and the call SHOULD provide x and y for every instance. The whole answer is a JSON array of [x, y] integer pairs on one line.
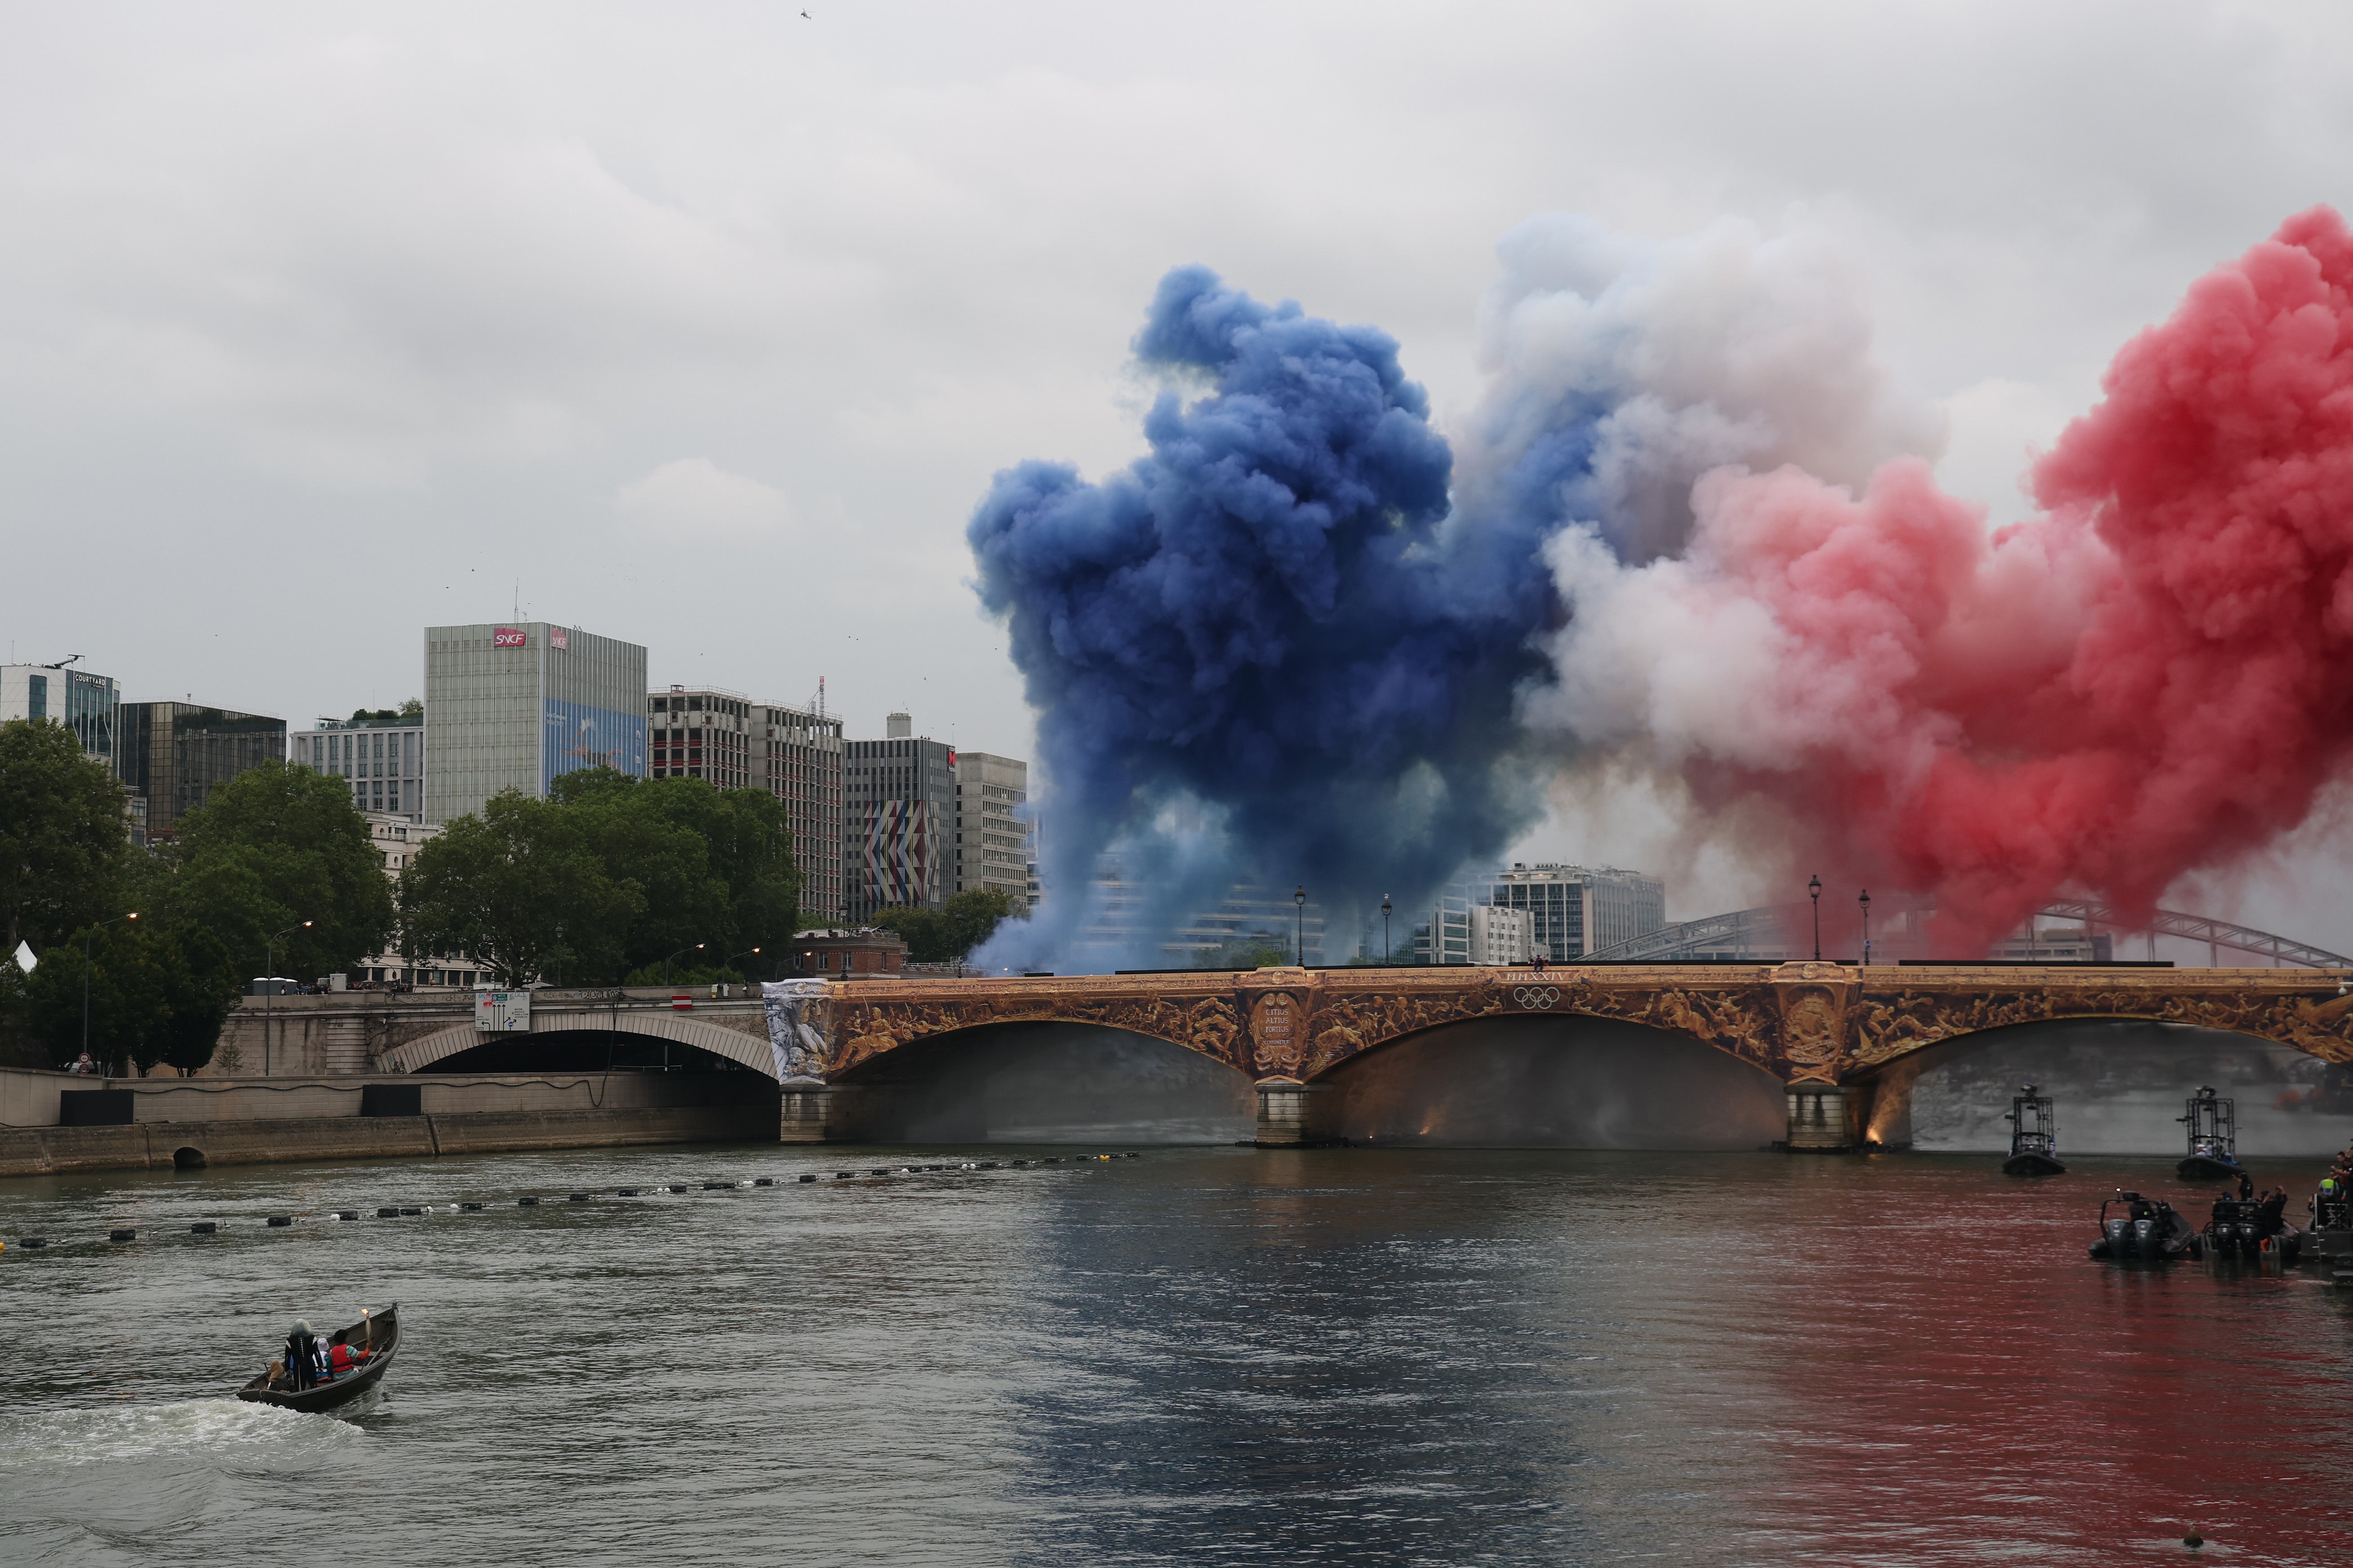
[[90, 705], [383, 759], [993, 836], [1501, 935], [398, 838]]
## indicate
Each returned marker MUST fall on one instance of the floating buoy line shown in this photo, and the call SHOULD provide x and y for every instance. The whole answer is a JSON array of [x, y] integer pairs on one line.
[[528, 1200]]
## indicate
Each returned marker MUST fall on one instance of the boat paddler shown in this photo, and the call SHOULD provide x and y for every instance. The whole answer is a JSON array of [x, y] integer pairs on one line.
[[305, 1358]]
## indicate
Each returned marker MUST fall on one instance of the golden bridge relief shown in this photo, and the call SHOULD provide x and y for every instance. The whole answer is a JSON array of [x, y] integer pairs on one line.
[[1805, 1023]]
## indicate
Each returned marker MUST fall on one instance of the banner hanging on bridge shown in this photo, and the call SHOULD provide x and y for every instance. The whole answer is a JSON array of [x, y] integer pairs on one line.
[[793, 1036]]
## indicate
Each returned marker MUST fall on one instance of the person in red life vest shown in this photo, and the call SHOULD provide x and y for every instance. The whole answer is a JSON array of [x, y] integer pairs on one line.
[[344, 1358]]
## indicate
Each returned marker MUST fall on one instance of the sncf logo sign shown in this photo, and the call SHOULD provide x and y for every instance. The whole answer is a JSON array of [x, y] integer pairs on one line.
[[506, 636]]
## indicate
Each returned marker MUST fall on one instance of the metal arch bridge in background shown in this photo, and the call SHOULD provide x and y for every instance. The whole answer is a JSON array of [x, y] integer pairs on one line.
[[1743, 933]]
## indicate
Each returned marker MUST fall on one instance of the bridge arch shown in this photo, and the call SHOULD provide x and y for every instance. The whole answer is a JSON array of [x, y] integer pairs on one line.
[[2119, 1081], [1045, 1081], [679, 1028], [1539, 1080]]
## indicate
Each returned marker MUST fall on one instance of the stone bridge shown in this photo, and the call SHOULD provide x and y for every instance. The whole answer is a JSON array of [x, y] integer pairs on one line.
[[1827, 1031]]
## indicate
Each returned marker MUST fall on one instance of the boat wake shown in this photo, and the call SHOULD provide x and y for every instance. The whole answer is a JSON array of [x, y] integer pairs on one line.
[[46, 1440]]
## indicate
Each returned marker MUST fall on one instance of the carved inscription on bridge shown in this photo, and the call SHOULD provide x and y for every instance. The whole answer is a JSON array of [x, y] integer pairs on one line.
[[1803, 1022]]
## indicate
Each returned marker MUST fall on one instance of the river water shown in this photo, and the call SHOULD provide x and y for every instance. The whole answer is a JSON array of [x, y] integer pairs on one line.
[[1203, 1355]]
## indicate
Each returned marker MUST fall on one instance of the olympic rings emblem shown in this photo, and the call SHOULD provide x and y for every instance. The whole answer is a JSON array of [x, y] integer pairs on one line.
[[1535, 998]]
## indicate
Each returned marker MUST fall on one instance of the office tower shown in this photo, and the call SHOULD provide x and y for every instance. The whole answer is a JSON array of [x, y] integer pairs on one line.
[[703, 733], [899, 812], [1577, 909], [515, 707], [800, 761]]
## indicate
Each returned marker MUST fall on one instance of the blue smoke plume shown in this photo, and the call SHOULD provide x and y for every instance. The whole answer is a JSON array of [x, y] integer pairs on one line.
[[1264, 652], [1269, 651]]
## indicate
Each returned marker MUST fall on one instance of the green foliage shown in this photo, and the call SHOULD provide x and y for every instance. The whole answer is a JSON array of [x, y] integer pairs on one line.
[[150, 998], [518, 887], [277, 846], [413, 710], [651, 868], [947, 935], [64, 851]]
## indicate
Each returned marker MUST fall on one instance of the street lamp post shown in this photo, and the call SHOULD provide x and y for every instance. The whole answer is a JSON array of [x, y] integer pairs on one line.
[[1298, 926], [1385, 928], [1814, 889], [270, 991], [696, 947], [86, 937], [747, 953], [1865, 902]]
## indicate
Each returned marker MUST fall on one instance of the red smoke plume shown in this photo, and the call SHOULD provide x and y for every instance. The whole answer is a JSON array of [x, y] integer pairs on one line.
[[2151, 677]]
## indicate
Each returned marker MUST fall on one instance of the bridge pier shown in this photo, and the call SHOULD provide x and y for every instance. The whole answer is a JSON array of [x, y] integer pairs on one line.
[[804, 1109], [1286, 1118], [1828, 1118]]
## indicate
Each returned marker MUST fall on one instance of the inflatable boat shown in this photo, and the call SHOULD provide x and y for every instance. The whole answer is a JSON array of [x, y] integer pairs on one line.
[[2143, 1230]]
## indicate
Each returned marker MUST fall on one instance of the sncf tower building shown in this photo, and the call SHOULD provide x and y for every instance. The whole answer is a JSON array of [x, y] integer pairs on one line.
[[512, 706]]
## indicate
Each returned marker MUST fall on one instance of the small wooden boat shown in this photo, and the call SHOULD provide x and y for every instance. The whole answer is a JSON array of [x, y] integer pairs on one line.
[[378, 1332], [2033, 1137]]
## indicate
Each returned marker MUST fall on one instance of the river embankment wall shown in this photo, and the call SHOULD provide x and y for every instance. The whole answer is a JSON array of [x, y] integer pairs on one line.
[[54, 1122]]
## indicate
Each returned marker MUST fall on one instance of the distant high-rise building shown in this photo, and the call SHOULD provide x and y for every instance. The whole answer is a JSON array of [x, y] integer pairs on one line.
[[173, 755], [1130, 923], [88, 704], [899, 816], [383, 759], [800, 761], [705, 733], [992, 831], [515, 707], [1577, 909]]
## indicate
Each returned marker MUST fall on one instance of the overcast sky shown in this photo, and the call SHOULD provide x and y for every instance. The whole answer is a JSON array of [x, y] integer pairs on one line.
[[707, 323]]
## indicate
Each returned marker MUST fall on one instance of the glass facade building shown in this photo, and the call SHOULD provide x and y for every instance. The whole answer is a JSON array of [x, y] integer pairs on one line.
[[88, 705], [515, 707], [173, 755]]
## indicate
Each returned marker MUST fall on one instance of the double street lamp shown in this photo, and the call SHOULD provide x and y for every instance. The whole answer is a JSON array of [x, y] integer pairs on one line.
[[1865, 902], [1385, 928], [1299, 928], [270, 987], [1814, 889], [86, 937]]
